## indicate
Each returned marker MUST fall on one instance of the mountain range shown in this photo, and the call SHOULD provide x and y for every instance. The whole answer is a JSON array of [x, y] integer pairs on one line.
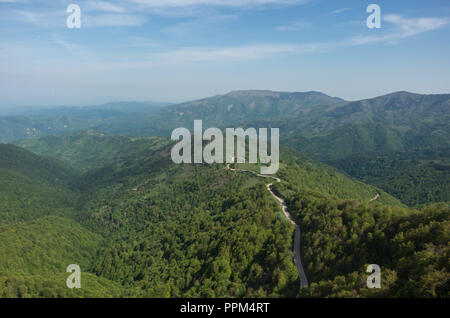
[[324, 127], [327, 129]]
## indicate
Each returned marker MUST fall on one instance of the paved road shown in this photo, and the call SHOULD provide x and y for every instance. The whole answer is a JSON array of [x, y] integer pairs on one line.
[[297, 255]]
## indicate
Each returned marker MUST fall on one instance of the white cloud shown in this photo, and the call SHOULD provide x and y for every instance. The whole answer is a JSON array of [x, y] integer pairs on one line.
[[44, 19], [112, 20], [401, 28], [202, 55], [200, 23], [295, 26], [227, 3], [143, 42], [337, 11], [57, 19], [406, 27], [416, 25], [170, 58], [249, 52], [103, 6]]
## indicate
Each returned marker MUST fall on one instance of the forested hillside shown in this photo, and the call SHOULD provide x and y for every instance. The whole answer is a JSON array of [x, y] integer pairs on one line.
[[415, 177], [32, 186], [31, 122], [190, 241], [301, 173], [91, 149], [160, 231], [342, 237], [142, 226]]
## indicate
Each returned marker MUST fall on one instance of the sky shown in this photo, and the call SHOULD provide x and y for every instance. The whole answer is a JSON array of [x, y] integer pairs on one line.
[[179, 50]]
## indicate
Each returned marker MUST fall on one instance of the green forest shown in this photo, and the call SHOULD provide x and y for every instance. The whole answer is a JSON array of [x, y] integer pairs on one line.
[[144, 227], [140, 226], [342, 237], [415, 177], [367, 183]]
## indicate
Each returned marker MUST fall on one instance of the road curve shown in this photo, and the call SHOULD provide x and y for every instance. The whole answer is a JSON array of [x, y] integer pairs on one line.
[[297, 255]]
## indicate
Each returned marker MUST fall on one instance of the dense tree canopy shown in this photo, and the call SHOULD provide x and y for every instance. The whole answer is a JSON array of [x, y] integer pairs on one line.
[[141, 226]]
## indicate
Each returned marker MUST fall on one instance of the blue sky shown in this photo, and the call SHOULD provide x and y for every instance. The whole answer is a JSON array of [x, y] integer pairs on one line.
[[177, 50]]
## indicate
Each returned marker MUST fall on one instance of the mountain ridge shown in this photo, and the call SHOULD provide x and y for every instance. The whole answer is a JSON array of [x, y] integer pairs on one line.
[[307, 120]]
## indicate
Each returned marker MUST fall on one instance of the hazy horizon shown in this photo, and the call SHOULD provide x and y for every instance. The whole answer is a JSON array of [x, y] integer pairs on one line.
[[107, 101]]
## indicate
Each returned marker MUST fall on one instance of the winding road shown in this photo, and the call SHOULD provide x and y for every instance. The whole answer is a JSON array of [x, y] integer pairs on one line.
[[297, 255], [375, 197]]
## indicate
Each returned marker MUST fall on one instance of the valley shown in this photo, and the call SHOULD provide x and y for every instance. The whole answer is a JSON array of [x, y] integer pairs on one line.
[[111, 200], [297, 251]]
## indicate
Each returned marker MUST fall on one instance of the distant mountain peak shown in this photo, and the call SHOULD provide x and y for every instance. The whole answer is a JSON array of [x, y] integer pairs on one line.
[[406, 94], [277, 94]]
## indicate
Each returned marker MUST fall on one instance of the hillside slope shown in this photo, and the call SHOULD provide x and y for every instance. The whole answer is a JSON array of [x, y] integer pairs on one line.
[[415, 177], [32, 186], [31, 122], [91, 149], [152, 228], [34, 258]]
